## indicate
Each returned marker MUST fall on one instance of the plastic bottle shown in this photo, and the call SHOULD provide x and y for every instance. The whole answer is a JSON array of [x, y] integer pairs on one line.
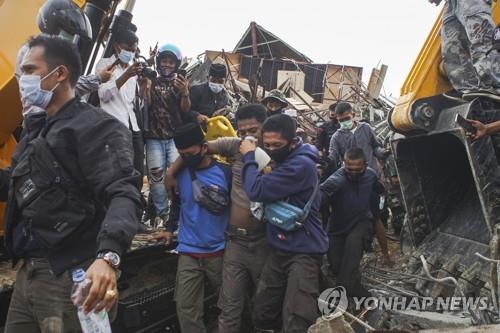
[[92, 322]]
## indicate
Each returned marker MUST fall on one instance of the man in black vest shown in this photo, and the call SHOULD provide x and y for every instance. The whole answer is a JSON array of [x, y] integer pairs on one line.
[[73, 196]]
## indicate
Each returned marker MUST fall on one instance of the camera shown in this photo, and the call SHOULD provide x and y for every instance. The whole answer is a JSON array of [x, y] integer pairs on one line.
[[145, 70]]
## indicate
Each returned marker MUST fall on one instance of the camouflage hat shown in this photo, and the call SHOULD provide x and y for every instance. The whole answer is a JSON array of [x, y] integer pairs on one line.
[[277, 95], [495, 41]]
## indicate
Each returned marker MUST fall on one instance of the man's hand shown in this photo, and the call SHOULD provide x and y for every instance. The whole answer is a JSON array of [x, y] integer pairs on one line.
[[105, 73], [221, 112], [247, 146], [181, 84], [171, 185], [103, 293], [482, 129], [387, 152], [133, 70], [165, 236], [152, 54], [202, 119], [144, 82]]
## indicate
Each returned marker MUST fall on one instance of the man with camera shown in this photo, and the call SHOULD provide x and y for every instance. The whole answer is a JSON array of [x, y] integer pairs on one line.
[[118, 94], [168, 107]]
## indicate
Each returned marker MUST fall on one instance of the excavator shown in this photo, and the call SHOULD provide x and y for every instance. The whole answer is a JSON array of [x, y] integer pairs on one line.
[[148, 269], [450, 185]]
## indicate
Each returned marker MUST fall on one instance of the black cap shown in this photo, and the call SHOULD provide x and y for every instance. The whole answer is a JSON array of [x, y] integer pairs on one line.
[[188, 135], [495, 41], [218, 70]]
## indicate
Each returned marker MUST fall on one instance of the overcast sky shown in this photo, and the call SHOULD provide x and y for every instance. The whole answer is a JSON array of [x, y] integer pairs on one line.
[[358, 33]]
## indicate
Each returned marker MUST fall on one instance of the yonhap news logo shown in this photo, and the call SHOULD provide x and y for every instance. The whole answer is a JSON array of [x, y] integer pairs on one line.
[[333, 301]]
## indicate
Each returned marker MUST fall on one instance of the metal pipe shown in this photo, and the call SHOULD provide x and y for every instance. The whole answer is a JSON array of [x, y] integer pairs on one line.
[[129, 6], [475, 317]]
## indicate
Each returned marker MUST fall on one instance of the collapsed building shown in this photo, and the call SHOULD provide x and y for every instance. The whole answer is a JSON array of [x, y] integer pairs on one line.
[[261, 62]]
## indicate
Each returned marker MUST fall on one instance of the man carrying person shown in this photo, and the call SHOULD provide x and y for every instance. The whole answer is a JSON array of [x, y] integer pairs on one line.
[[351, 191], [118, 94], [201, 226], [211, 98], [327, 130], [246, 247], [289, 285], [275, 102], [72, 165], [167, 101]]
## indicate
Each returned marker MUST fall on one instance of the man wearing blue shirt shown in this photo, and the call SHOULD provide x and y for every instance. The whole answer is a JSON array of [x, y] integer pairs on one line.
[[201, 227]]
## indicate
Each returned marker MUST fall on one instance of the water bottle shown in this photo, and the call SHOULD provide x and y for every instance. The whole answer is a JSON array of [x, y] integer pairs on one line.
[[91, 322]]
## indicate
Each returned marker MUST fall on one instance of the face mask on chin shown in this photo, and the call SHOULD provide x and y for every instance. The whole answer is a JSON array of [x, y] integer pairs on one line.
[[33, 97], [166, 72]]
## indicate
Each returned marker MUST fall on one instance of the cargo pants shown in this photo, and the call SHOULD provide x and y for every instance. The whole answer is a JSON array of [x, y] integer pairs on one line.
[[244, 258], [466, 35], [190, 289], [41, 301], [287, 294], [345, 254]]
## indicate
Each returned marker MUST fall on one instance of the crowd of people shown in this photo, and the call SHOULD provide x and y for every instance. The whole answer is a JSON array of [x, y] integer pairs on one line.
[[74, 191], [250, 215]]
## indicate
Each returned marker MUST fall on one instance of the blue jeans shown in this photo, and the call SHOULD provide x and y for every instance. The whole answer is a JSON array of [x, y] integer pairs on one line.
[[159, 155]]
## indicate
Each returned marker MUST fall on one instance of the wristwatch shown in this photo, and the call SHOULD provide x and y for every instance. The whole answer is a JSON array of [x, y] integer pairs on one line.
[[112, 258]]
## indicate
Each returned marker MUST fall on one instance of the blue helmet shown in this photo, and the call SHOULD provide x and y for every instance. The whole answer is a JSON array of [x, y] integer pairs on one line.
[[169, 49]]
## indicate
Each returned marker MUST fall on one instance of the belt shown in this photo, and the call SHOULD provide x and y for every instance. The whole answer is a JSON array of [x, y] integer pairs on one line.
[[246, 232]]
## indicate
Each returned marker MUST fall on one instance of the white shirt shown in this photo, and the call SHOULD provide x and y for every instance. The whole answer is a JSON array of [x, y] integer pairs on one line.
[[118, 102]]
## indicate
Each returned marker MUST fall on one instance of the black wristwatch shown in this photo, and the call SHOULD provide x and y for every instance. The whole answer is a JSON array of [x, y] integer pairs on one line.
[[112, 258]]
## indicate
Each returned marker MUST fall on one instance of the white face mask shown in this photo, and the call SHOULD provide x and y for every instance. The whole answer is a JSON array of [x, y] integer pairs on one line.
[[126, 56], [347, 124], [215, 87], [33, 97]]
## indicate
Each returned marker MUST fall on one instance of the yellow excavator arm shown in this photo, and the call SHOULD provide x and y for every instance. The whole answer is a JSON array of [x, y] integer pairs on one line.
[[427, 77]]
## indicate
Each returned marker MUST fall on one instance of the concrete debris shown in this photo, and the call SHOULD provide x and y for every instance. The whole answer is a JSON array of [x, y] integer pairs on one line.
[[331, 325]]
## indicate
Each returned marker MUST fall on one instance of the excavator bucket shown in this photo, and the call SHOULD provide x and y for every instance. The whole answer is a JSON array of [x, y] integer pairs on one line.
[[451, 187]]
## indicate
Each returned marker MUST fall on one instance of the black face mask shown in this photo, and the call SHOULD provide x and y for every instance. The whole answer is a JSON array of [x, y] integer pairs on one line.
[[354, 177], [280, 154], [193, 161]]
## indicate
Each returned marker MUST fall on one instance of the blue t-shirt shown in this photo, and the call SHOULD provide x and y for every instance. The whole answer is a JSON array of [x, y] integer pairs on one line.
[[199, 230]]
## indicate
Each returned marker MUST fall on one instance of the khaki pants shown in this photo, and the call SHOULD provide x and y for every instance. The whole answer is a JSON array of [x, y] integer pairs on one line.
[[190, 289], [244, 259]]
